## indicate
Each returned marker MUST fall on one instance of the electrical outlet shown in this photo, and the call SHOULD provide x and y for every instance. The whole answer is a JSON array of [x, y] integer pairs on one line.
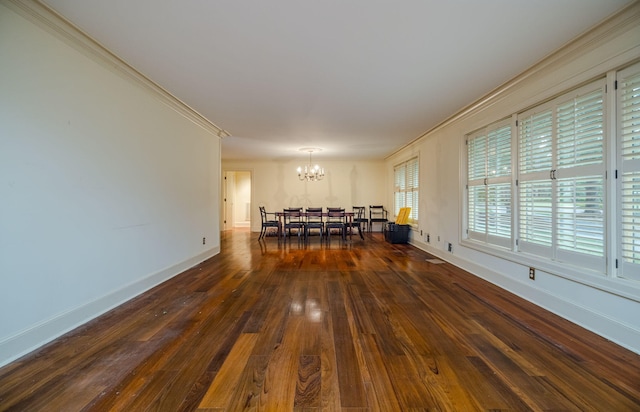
[[428, 238], [450, 247], [204, 240], [532, 273]]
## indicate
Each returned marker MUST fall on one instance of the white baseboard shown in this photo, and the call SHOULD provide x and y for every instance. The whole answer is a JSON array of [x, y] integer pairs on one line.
[[616, 331], [44, 332]]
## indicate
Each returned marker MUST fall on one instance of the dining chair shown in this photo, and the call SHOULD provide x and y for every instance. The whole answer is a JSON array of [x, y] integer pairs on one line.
[[267, 222], [336, 219], [313, 221], [358, 220], [293, 220], [377, 214]]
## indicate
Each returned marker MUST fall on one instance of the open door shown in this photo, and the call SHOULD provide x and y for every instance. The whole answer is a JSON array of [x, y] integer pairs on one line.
[[237, 200]]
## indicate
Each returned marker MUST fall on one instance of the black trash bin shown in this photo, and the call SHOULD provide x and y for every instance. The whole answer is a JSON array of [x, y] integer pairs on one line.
[[394, 233]]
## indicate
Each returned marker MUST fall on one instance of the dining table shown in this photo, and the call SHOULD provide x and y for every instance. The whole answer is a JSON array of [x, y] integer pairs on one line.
[[348, 215]]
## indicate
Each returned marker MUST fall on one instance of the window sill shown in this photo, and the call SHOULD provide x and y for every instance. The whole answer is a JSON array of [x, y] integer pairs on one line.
[[618, 286]]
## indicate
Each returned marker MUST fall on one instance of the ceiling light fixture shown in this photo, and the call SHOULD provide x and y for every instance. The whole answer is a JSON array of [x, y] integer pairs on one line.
[[310, 172]]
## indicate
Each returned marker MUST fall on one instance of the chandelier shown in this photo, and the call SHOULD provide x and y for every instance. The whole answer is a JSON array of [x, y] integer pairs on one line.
[[309, 172]]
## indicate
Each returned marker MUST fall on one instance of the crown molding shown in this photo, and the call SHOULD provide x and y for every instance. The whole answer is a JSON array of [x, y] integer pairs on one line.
[[617, 24], [54, 23]]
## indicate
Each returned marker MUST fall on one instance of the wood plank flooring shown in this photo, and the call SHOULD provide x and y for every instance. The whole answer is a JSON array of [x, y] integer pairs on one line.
[[365, 326]]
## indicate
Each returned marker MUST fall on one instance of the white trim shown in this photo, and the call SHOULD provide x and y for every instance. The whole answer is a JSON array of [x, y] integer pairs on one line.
[[622, 334], [30, 339], [47, 19], [617, 286], [616, 25]]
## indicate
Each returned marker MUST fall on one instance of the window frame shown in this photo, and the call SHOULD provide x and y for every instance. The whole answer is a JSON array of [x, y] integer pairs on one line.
[[552, 176], [582, 274], [617, 277], [481, 180], [409, 185], [626, 164]]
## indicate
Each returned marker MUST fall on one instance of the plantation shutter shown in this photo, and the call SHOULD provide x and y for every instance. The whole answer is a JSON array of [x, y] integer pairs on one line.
[[499, 185], [400, 186], [499, 211], [536, 142], [489, 200], [412, 189], [629, 173], [406, 181], [580, 175], [535, 193], [562, 178], [476, 189], [477, 212]]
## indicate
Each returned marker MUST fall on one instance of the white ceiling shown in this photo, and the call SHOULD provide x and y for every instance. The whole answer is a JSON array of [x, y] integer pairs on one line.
[[357, 78]]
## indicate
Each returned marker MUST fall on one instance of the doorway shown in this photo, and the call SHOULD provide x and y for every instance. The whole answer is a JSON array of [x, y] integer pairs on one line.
[[237, 200]]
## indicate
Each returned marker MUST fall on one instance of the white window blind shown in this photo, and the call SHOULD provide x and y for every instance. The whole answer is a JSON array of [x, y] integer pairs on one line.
[[499, 210], [580, 215], [489, 200], [564, 175], [629, 172], [562, 178], [406, 187], [535, 142], [536, 215]]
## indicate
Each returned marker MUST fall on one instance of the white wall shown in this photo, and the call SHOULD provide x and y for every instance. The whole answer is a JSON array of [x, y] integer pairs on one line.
[[347, 183], [105, 189], [607, 306]]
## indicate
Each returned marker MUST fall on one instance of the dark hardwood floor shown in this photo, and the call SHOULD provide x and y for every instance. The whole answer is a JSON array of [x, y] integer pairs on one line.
[[367, 326]]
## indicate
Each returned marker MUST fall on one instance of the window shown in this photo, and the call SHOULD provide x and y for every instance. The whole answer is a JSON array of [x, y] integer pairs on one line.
[[628, 186], [573, 197], [562, 178], [405, 191], [489, 202]]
